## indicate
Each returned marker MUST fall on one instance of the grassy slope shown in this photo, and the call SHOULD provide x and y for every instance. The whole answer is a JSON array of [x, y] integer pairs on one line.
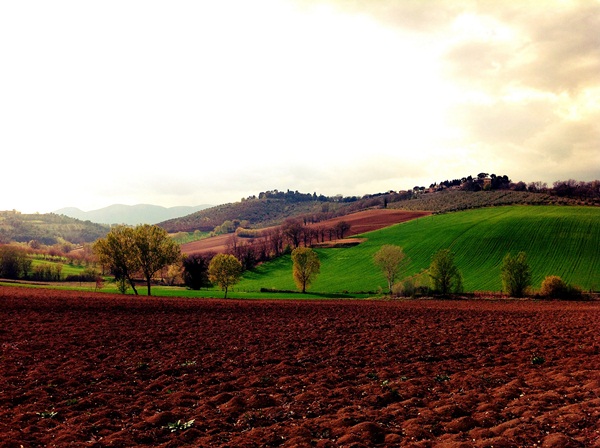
[[562, 241]]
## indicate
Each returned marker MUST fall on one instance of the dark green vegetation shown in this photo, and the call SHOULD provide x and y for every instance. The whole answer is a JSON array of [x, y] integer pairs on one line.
[[554, 287], [47, 229], [445, 275], [516, 274], [558, 240]]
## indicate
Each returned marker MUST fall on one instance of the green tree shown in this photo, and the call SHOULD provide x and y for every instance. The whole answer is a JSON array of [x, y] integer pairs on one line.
[[443, 272], [225, 270], [195, 270], [117, 252], [14, 262], [154, 250], [516, 274], [556, 288], [130, 250], [306, 266], [392, 261]]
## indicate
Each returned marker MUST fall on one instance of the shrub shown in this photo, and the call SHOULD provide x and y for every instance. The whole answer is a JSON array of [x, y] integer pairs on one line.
[[195, 270], [47, 272], [415, 286], [556, 288], [88, 275], [445, 276], [406, 288], [247, 233], [14, 262], [516, 274]]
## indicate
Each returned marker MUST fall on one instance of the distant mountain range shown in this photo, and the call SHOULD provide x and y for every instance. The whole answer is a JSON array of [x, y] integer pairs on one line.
[[130, 214]]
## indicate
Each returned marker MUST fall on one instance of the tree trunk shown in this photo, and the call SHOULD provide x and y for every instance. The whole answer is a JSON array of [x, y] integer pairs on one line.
[[132, 285]]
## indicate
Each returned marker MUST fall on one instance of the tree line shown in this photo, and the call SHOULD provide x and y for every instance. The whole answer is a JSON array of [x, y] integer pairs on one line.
[[445, 278], [443, 274], [47, 229], [268, 244], [17, 261], [129, 253]]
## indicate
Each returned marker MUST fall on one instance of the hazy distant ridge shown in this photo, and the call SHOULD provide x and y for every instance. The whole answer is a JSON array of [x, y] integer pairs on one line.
[[130, 214]]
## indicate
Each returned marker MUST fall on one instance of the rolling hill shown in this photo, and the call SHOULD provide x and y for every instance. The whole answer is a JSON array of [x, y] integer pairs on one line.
[[267, 211], [558, 240], [258, 212], [130, 214], [360, 222], [47, 228]]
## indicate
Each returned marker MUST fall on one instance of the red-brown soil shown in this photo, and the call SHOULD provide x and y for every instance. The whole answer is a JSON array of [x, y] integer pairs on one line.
[[118, 370], [374, 219], [360, 222]]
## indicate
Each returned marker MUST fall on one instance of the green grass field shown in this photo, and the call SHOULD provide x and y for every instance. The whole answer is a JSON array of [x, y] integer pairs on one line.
[[66, 269], [558, 240], [563, 241]]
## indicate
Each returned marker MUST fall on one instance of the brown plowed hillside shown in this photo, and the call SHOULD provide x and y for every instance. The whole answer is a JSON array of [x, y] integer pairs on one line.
[[360, 222], [370, 220]]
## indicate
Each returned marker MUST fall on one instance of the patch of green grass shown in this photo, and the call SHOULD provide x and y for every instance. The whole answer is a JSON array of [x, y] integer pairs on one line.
[[66, 269], [179, 425], [558, 240], [188, 237], [538, 360]]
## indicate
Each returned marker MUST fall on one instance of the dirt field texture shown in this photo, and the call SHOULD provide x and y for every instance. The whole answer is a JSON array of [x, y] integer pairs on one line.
[[360, 222], [97, 370]]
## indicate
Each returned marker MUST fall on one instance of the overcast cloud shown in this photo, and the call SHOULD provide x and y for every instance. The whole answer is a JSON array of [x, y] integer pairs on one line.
[[194, 102]]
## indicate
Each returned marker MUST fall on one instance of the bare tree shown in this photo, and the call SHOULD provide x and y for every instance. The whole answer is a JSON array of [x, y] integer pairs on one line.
[[342, 228], [292, 229]]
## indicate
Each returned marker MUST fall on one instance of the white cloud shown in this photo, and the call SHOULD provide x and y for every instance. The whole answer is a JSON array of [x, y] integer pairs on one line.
[[207, 102]]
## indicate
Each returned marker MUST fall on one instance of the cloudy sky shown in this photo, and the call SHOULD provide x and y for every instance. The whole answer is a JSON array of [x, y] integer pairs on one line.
[[206, 102]]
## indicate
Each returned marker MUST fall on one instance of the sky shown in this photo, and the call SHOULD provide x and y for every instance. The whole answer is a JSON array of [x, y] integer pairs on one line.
[[207, 102]]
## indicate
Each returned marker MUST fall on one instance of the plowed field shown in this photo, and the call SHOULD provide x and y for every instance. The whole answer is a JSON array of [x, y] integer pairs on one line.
[[360, 222], [95, 370]]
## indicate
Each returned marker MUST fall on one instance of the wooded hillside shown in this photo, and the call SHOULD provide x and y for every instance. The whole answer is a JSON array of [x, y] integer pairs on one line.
[[273, 207], [47, 228]]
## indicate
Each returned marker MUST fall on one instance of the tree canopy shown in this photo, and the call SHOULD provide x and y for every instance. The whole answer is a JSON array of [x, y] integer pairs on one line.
[[129, 250], [306, 266], [392, 261], [516, 274], [195, 270], [443, 272], [225, 270], [155, 250]]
